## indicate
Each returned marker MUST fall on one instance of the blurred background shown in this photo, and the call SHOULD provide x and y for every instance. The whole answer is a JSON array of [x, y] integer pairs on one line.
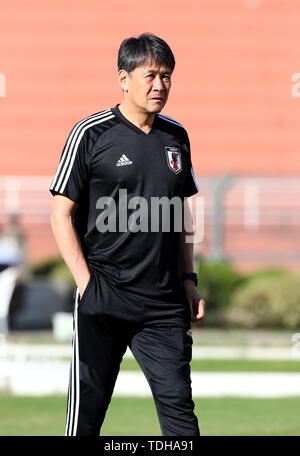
[[236, 89]]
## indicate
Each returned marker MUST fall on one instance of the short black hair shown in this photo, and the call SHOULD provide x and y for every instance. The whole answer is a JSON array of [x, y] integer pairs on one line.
[[134, 52]]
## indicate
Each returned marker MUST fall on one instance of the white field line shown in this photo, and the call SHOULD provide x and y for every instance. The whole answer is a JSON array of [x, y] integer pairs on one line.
[[44, 369], [27, 351], [51, 377]]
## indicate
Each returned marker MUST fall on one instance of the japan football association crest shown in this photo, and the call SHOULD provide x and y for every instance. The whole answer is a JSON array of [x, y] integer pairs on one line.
[[174, 159]]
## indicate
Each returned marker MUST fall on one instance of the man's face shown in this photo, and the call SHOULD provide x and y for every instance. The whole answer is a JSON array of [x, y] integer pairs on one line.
[[147, 87]]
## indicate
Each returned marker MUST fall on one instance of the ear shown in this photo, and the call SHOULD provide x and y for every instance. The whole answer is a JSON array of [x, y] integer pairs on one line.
[[123, 77]]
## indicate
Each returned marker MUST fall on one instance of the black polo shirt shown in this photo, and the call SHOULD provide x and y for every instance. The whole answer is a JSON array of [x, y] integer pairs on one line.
[[119, 175]]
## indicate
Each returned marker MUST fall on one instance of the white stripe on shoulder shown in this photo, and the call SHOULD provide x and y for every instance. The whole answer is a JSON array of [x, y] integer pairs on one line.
[[169, 119], [68, 157], [69, 142], [80, 135], [194, 179]]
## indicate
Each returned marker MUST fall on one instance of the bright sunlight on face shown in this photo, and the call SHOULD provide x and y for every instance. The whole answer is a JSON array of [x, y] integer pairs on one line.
[[148, 87]]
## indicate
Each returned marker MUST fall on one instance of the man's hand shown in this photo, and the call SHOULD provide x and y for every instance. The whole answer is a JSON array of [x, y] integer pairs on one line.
[[196, 302], [82, 284]]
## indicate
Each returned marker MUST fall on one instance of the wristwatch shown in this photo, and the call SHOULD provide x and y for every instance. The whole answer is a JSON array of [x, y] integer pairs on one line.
[[190, 275]]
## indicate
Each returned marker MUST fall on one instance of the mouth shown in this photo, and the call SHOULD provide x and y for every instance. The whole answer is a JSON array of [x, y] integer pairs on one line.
[[158, 99]]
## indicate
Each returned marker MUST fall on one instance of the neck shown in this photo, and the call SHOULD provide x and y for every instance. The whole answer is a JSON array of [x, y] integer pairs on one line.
[[142, 120]]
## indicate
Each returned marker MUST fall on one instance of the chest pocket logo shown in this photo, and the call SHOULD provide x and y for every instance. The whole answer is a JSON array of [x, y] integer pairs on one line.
[[174, 159]]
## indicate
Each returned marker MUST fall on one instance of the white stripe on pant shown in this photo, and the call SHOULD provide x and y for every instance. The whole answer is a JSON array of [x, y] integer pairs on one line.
[[74, 391]]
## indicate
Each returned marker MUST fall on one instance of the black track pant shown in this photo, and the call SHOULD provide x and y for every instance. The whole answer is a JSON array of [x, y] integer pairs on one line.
[[106, 321]]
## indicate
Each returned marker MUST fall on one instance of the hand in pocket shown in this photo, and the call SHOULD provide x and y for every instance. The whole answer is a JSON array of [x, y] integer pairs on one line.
[[82, 286]]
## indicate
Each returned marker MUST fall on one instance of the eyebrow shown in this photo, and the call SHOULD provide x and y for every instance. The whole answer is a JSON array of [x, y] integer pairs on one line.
[[152, 70]]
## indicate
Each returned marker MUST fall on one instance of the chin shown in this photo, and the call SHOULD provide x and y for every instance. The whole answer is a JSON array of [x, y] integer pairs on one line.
[[156, 109], [152, 108]]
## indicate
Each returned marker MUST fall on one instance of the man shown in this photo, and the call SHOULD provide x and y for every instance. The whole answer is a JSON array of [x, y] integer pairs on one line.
[[115, 167]]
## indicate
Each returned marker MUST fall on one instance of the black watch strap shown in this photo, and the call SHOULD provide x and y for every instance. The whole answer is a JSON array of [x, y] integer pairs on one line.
[[191, 276]]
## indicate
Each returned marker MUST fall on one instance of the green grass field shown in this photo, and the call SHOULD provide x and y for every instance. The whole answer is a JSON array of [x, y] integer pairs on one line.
[[45, 416], [131, 416], [229, 365]]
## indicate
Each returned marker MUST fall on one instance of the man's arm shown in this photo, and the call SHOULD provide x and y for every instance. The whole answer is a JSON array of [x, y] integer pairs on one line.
[[66, 236], [197, 304]]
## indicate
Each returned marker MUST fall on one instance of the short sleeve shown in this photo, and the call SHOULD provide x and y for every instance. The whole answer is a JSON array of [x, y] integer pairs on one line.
[[72, 171], [190, 185]]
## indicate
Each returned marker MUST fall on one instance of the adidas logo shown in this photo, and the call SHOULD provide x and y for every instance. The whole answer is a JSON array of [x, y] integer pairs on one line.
[[189, 332], [123, 161]]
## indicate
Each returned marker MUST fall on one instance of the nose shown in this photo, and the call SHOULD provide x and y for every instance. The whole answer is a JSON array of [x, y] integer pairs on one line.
[[158, 84]]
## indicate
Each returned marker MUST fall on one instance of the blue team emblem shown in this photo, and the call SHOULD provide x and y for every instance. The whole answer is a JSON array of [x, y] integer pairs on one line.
[[174, 159]]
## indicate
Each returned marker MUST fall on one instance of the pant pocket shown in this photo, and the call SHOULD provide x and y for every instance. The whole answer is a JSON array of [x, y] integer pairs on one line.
[[82, 298]]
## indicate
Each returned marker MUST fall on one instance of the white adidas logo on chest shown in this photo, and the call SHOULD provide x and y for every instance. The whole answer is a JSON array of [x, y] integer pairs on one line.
[[123, 160]]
